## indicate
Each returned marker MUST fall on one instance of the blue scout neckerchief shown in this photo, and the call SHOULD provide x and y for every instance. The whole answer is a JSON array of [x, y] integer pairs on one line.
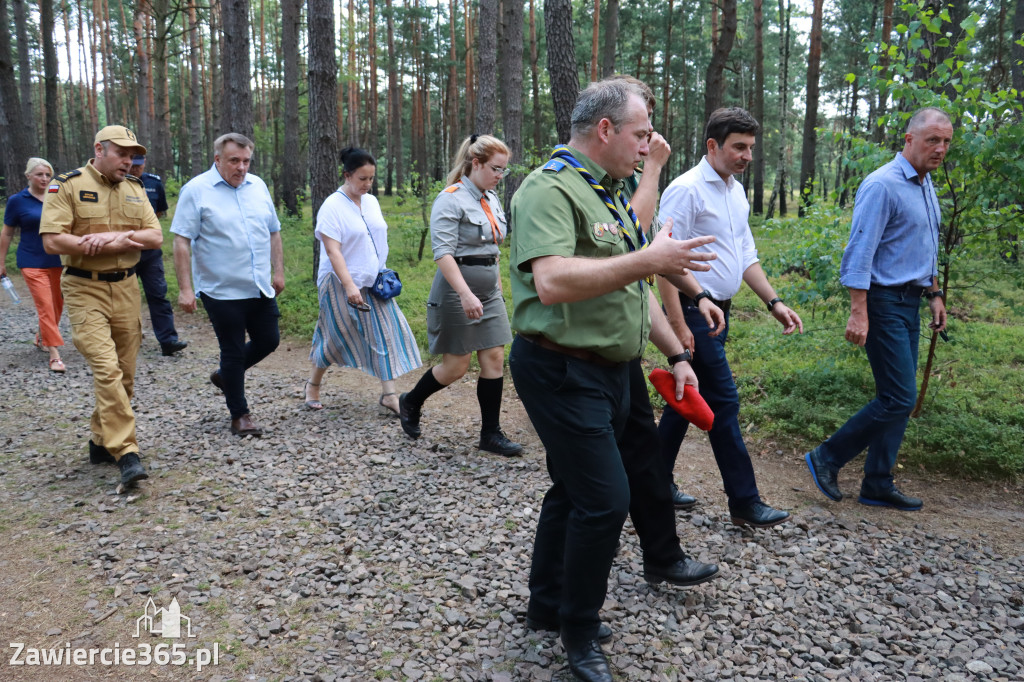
[[564, 153]]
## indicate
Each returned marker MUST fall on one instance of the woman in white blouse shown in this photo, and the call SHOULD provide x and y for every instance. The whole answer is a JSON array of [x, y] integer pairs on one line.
[[355, 328]]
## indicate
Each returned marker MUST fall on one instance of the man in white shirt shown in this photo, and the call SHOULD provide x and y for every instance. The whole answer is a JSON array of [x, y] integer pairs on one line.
[[709, 200], [228, 241]]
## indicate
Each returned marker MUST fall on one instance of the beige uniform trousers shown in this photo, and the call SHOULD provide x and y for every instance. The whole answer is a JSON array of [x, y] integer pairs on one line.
[[106, 327]]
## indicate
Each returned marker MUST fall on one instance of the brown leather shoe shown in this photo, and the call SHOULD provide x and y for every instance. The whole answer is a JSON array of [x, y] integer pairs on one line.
[[245, 426]]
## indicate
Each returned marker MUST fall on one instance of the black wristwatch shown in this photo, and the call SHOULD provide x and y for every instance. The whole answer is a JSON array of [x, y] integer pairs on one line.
[[703, 294], [771, 303], [685, 356], [938, 293]]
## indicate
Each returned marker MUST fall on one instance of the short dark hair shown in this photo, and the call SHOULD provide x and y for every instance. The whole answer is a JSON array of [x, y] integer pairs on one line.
[[724, 122], [354, 158], [603, 99]]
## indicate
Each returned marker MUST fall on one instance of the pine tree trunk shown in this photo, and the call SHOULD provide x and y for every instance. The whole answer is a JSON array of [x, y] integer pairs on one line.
[[611, 36], [595, 39], [15, 144], [144, 129], [452, 95], [810, 138], [715, 79], [160, 143], [291, 11], [1017, 51], [487, 56], [237, 103], [394, 141], [565, 80], [467, 10], [758, 108], [535, 79], [51, 108], [779, 191], [512, 91], [374, 142], [323, 102], [28, 115], [195, 94]]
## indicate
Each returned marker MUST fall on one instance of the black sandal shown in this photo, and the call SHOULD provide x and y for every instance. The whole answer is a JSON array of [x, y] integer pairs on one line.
[[385, 406], [311, 404]]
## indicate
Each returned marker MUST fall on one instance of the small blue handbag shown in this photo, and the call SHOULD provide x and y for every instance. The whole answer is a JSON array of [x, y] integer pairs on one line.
[[387, 285]]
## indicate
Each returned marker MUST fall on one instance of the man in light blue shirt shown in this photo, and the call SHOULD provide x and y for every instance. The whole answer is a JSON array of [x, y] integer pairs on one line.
[[889, 264], [228, 241]]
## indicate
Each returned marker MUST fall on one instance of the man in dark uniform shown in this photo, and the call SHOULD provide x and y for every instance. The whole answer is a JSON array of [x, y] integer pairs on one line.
[[98, 219], [583, 315], [151, 267]]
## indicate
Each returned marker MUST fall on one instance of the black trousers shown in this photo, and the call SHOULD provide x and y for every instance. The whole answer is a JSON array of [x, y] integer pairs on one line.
[[650, 495], [231, 320], [150, 271]]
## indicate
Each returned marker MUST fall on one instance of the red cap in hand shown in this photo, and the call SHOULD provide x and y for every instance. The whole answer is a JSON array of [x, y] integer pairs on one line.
[[692, 407]]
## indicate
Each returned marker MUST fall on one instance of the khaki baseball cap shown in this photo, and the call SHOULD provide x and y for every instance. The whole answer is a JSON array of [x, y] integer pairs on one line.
[[121, 136]]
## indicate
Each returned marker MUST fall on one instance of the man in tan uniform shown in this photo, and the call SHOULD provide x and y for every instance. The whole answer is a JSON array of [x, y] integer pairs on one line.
[[98, 218]]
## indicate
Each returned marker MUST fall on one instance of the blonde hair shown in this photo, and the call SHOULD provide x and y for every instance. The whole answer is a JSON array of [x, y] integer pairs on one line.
[[34, 162], [479, 147]]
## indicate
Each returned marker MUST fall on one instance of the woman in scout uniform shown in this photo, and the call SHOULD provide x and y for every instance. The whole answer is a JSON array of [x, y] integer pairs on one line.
[[355, 328], [466, 310]]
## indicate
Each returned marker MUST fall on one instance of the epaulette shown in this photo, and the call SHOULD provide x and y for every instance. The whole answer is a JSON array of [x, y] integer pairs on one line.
[[67, 176], [133, 178], [452, 188], [554, 165]]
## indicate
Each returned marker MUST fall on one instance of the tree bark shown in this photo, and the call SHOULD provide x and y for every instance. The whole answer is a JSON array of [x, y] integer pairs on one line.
[[291, 11], [877, 131], [565, 80], [512, 91], [1017, 50], [810, 138], [323, 102], [535, 79], [15, 144], [195, 93], [28, 116], [715, 79], [452, 96], [394, 111], [595, 40], [758, 108], [487, 56], [779, 191], [611, 36], [160, 160], [237, 106], [51, 110], [145, 127]]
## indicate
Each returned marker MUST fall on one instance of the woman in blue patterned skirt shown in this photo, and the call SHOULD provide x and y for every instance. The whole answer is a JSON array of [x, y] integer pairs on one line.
[[355, 328]]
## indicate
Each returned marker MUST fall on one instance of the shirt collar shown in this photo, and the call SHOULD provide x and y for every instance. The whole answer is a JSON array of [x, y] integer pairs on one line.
[[711, 175], [597, 171], [909, 171], [216, 178], [471, 187]]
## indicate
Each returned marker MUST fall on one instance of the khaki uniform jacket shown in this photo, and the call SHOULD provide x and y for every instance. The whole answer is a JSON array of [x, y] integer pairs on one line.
[[84, 201]]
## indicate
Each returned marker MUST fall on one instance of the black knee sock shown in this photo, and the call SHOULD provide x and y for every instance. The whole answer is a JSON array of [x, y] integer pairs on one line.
[[488, 394], [425, 387]]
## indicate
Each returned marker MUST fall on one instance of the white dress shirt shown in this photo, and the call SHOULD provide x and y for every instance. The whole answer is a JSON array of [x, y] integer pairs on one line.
[[701, 203]]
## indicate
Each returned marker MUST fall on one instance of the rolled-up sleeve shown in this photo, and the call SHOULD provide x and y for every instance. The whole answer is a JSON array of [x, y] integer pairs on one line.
[[871, 212], [445, 216]]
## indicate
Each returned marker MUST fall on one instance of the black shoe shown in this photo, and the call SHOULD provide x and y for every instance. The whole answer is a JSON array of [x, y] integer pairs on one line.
[[100, 455], [409, 415], [587, 661], [681, 500], [217, 380], [685, 573], [891, 498], [824, 476], [604, 633], [496, 442], [131, 468], [172, 347], [758, 514]]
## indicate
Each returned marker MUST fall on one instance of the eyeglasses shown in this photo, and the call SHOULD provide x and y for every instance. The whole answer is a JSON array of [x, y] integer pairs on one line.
[[499, 171]]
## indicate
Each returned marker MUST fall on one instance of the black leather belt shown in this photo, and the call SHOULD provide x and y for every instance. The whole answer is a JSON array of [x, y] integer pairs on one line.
[[476, 260], [724, 305], [101, 276], [911, 290], [578, 353]]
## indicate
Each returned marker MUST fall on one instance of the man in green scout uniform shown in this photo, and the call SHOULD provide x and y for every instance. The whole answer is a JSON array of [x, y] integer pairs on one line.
[[98, 219], [583, 316]]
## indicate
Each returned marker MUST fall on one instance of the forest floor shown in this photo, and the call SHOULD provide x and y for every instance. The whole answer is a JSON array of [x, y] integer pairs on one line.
[[335, 548]]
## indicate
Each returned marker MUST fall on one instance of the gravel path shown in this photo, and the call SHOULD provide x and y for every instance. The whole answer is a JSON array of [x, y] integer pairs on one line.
[[334, 548]]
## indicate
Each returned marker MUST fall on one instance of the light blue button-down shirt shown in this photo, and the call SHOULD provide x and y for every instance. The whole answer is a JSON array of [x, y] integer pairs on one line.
[[894, 238], [230, 230]]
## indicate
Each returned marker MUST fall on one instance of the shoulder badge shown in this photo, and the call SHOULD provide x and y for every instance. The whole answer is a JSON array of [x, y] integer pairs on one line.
[[554, 165], [132, 178], [453, 188], [67, 176]]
